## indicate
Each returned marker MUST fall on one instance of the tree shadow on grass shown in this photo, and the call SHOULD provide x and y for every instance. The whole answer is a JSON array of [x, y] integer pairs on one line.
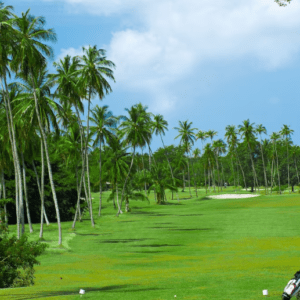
[[156, 245], [110, 288], [150, 214], [116, 241], [190, 229]]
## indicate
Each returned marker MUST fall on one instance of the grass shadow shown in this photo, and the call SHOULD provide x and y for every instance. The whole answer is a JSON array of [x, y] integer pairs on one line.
[[116, 241]]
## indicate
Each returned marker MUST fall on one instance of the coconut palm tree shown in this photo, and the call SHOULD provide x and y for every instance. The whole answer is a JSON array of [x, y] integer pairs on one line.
[[232, 140], [275, 137], [105, 123], [28, 61], [286, 131], [219, 147], [196, 154], [136, 131], [295, 155], [201, 135], [94, 68], [210, 158], [187, 136], [261, 129], [247, 131], [159, 125], [7, 48]]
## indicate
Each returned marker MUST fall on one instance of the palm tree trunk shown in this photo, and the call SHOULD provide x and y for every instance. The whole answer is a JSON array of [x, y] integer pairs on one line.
[[44, 140], [4, 195], [119, 207], [100, 180], [272, 175], [189, 178], [122, 197], [296, 170], [288, 165], [233, 173], [265, 174], [78, 193], [40, 192], [12, 138], [169, 167], [25, 192], [241, 168], [87, 163], [144, 172], [277, 169]]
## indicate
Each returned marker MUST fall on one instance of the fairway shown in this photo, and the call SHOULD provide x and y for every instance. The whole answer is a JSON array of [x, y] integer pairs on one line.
[[195, 249]]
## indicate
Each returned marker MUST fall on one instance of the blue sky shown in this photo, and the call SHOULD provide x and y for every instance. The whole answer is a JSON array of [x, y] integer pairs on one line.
[[213, 63]]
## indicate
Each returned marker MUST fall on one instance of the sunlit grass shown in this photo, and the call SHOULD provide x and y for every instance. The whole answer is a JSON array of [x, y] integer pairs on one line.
[[194, 249]]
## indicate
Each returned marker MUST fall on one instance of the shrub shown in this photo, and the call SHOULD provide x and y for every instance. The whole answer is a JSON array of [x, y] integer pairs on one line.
[[17, 258]]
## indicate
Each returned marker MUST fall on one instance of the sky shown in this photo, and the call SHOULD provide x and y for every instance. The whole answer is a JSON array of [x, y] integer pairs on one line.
[[213, 63]]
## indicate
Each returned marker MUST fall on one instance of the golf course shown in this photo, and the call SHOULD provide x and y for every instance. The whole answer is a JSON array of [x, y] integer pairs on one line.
[[199, 248]]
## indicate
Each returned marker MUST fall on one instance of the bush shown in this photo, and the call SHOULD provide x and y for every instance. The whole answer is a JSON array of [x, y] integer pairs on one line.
[[17, 258]]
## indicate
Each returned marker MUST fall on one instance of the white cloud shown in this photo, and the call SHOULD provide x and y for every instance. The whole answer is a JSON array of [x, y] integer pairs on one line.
[[70, 51], [175, 38]]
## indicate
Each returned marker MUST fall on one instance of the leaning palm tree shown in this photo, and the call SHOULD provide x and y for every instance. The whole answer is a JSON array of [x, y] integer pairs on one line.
[[27, 62], [286, 131], [275, 137], [187, 137], [105, 123], [261, 129], [94, 68]]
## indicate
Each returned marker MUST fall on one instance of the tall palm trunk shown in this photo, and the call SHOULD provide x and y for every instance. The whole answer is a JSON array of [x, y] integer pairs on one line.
[[87, 163], [272, 175], [296, 171], [189, 177], [25, 193], [233, 172], [4, 195], [100, 180], [40, 192], [16, 161], [119, 207], [277, 169], [239, 162], [265, 174], [44, 140], [288, 165], [144, 172], [122, 196], [169, 166]]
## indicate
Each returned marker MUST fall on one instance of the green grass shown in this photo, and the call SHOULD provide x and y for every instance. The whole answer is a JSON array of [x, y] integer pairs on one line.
[[194, 249]]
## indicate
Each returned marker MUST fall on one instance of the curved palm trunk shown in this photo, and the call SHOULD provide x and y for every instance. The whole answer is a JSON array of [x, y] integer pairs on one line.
[[122, 197], [272, 175], [119, 207], [233, 173], [44, 140], [25, 192], [143, 173]]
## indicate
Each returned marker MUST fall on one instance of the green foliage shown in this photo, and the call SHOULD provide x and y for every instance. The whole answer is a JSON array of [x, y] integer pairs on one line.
[[17, 258]]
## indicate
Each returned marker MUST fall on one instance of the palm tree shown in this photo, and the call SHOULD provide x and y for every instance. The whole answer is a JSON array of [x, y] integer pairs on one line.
[[219, 148], [105, 123], [136, 131], [116, 164], [295, 155], [274, 137], [196, 154], [210, 158], [247, 131], [94, 68], [232, 140], [202, 136], [159, 125], [261, 129], [187, 136], [27, 62], [286, 131], [7, 48]]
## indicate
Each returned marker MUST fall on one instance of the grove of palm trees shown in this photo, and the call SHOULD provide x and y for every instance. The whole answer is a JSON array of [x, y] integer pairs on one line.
[[63, 177]]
